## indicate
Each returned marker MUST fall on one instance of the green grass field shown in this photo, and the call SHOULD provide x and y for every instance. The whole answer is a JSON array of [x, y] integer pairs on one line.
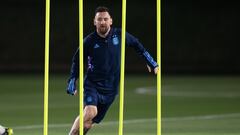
[[191, 105]]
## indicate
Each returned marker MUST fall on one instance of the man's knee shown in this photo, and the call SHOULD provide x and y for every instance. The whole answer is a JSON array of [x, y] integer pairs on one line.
[[90, 112]]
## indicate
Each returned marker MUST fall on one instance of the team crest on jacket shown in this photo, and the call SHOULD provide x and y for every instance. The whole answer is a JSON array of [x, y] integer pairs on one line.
[[96, 46], [115, 40]]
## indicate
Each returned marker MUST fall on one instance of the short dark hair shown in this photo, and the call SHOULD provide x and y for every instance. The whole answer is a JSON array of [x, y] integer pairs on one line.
[[102, 9]]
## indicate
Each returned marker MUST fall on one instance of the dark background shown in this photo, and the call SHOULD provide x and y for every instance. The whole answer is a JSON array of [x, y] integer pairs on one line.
[[198, 37]]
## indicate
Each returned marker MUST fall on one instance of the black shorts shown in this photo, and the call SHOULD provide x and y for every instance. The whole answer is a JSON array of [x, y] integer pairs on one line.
[[92, 96]]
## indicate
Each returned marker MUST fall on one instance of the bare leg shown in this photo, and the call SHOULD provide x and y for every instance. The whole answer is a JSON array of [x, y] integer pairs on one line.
[[90, 111], [75, 127]]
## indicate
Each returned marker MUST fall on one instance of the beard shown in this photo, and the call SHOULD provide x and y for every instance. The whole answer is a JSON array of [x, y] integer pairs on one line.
[[103, 30]]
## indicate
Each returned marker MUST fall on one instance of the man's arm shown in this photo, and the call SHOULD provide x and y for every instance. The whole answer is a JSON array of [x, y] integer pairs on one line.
[[74, 74], [133, 42], [75, 66]]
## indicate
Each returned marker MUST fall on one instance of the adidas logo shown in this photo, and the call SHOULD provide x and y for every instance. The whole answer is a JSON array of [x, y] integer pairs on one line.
[[96, 46]]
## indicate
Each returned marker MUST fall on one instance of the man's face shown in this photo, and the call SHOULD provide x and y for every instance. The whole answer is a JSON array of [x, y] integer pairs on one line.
[[103, 22]]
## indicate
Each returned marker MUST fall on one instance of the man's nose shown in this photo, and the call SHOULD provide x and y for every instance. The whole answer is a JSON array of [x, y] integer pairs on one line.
[[102, 22]]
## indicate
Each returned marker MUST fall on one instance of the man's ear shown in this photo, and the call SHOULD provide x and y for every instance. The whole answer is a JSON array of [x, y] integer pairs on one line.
[[111, 21], [94, 22]]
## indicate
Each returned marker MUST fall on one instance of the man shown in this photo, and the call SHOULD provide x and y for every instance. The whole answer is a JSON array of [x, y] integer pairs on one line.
[[5, 131], [102, 52]]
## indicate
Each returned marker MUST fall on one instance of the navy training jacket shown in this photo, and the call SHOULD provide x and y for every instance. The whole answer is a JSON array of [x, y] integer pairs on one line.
[[103, 56]]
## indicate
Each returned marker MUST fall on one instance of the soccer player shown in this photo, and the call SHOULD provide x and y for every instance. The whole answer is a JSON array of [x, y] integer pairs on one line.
[[102, 50]]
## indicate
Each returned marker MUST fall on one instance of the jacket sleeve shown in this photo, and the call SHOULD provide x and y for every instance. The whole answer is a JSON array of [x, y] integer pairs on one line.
[[74, 73], [131, 41]]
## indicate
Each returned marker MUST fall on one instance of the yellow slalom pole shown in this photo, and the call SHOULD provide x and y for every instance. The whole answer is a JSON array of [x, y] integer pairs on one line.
[[81, 67], [121, 105], [46, 68], [159, 63]]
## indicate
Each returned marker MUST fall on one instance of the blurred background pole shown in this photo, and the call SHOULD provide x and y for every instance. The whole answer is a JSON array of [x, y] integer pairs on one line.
[[159, 63], [121, 105], [81, 67], [46, 68]]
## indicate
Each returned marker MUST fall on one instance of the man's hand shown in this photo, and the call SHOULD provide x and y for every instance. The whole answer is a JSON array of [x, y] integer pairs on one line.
[[71, 87], [155, 69]]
